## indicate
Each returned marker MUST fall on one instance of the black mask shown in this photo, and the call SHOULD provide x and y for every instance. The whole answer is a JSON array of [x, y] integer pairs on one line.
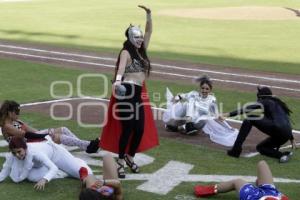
[[263, 92]]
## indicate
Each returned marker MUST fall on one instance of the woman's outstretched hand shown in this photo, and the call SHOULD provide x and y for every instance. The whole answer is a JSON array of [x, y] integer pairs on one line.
[[148, 11], [223, 116]]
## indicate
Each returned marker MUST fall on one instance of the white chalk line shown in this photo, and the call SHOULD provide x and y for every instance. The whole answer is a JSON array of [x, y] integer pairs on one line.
[[156, 72], [58, 52], [61, 100], [57, 59], [229, 74], [154, 64], [210, 178], [226, 81], [172, 174], [107, 100]]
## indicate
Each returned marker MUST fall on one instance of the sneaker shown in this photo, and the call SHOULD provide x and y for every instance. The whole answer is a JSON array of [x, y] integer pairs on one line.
[[284, 159], [190, 129], [93, 146], [286, 156], [234, 152], [171, 128]]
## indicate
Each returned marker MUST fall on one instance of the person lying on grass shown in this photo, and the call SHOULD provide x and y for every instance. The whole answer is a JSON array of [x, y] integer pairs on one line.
[[264, 189], [39, 162], [97, 189]]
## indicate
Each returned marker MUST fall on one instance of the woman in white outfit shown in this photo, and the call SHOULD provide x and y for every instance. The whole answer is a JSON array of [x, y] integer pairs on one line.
[[196, 111], [39, 162], [191, 109]]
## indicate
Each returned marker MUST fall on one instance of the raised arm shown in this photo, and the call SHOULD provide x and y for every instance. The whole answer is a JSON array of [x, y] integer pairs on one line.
[[148, 28]]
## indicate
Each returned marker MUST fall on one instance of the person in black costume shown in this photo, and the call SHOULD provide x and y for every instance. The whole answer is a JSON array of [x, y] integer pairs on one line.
[[275, 123]]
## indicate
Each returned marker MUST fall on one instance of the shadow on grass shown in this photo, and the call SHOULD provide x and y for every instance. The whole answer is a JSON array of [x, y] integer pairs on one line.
[[296, 11], [27, 33]]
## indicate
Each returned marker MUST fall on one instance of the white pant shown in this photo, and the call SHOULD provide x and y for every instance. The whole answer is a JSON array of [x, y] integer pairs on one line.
[[175, 114], [62, 158], [37, 174], [178, 113]]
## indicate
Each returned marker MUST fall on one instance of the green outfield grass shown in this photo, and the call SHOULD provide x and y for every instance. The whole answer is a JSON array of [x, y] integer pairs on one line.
[[29, 86], [99, 26], [265, 45], [205, 161]]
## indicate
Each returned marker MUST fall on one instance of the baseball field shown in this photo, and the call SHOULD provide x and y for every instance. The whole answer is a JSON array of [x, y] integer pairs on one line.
[[57, 59]]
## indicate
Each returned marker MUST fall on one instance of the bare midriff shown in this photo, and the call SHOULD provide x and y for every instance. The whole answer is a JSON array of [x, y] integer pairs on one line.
[[136, 78]]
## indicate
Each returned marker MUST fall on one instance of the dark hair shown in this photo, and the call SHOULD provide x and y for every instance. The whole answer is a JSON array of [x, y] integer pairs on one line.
[[205, 80], [17, 142], [8, 106], [127, 45], [90, 194], [264, 92]]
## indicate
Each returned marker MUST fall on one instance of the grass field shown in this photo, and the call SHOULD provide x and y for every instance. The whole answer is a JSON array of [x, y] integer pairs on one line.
[[100, 25], [205, 160], [40, 86]]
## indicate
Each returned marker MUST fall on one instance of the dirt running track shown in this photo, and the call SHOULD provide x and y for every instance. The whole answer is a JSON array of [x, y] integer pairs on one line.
[[240, 80]]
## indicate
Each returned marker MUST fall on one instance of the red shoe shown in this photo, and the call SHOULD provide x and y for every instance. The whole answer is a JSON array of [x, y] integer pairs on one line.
[[204, 191], [283, 197], [83, 173]]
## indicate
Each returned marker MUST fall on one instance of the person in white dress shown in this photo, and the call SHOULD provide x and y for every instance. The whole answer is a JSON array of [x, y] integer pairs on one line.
[[196, 111], [39, 162]]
